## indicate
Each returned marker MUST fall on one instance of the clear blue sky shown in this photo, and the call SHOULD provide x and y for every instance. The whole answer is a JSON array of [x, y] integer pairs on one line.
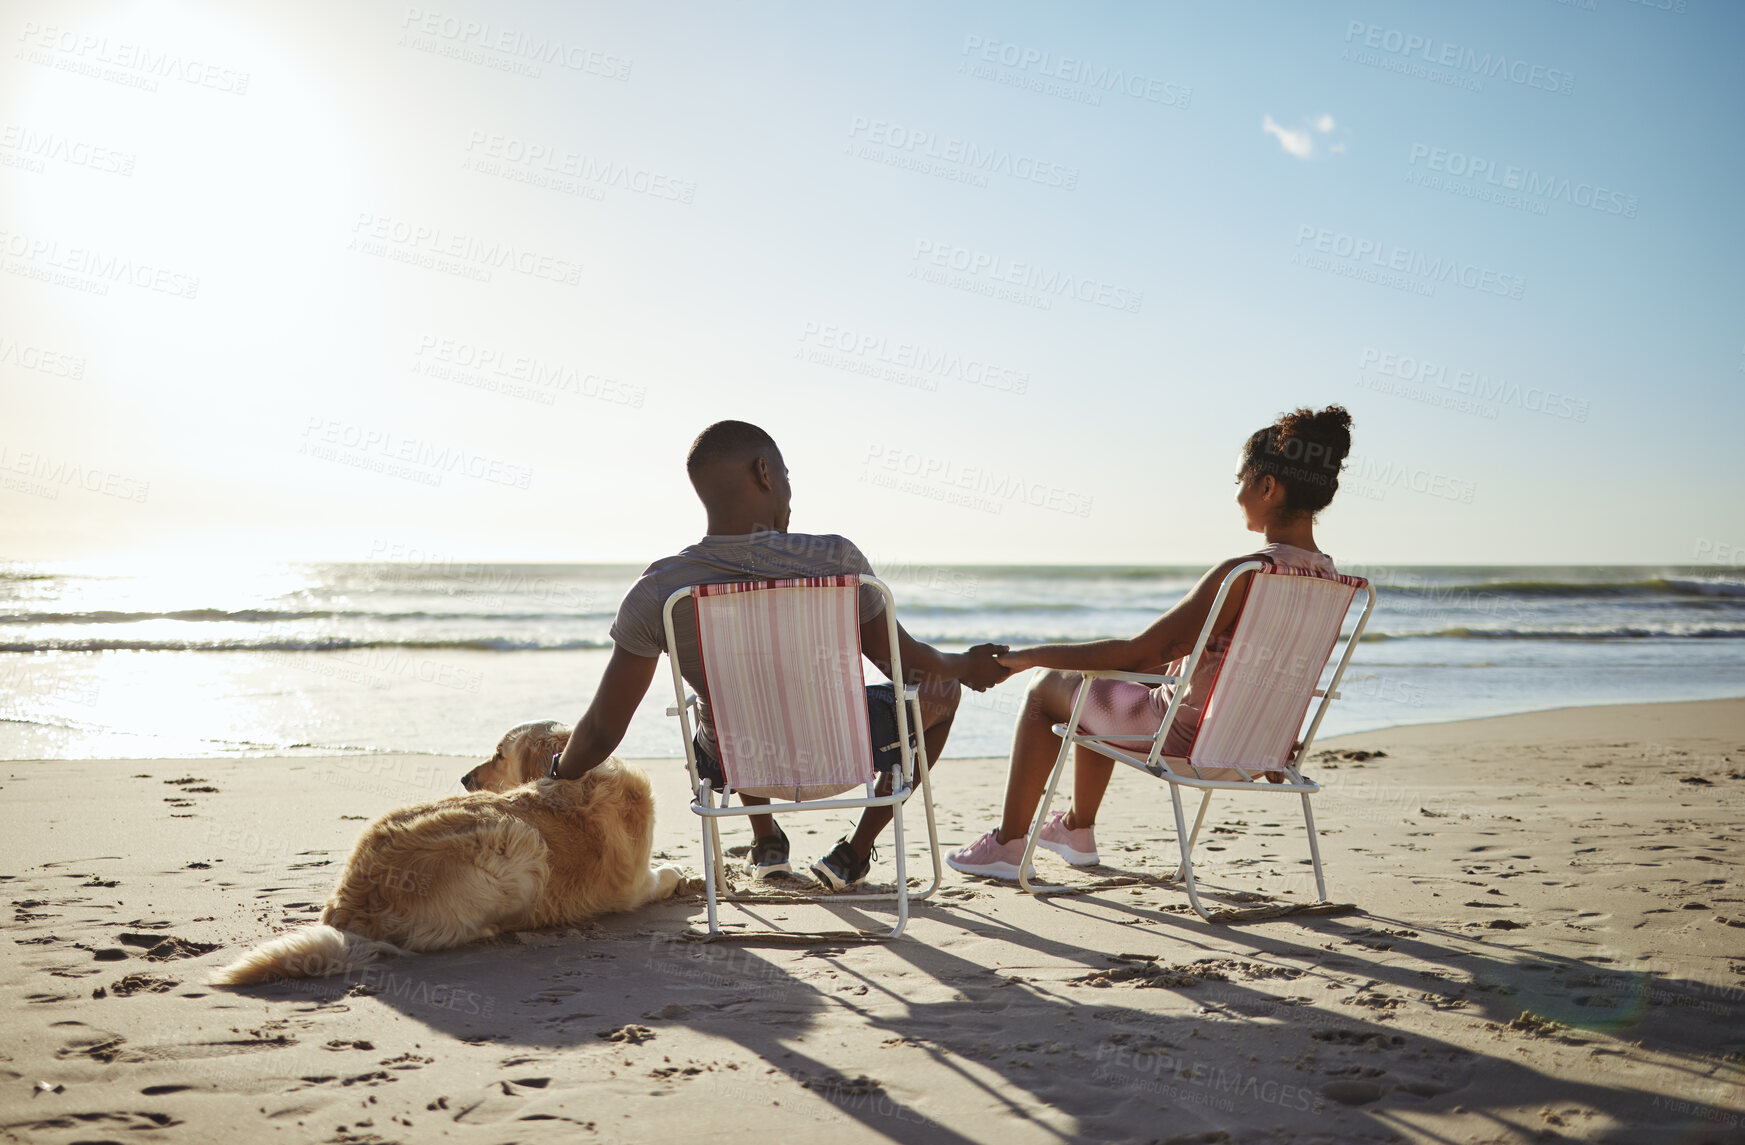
[[816, 217]]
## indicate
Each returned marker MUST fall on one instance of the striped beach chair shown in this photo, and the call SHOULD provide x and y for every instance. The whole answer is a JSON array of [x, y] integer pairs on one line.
[[783, 672], [1278, 650]]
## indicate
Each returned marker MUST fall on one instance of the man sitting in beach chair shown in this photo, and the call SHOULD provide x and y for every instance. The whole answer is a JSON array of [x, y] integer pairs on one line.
[[740, 477]]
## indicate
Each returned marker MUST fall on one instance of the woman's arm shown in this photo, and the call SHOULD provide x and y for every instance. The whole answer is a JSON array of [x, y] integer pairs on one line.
[[1171, 636]]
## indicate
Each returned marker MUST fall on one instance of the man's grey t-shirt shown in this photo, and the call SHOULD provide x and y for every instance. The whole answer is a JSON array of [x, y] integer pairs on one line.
[[769, 555]]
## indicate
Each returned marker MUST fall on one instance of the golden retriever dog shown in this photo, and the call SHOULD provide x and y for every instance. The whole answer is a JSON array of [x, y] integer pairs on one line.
[[517, 852]]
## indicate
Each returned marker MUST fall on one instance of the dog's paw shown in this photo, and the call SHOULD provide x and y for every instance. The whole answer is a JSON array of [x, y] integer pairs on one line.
[[666, 881]]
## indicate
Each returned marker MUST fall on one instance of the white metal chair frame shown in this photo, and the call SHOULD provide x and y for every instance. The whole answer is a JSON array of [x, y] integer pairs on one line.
[[909, 776], [1152, 763]]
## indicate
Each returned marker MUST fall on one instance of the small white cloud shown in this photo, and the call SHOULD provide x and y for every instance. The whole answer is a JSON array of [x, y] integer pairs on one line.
[[1298, 143], [1337, 149], [1324, 124]]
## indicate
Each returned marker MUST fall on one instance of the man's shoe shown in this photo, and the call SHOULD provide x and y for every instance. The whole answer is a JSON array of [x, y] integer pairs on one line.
[[769, 855], [842, 868], [990, 858], [1077, 845]]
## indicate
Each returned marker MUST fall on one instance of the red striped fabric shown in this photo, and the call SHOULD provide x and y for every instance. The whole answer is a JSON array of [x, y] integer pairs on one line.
[[1281, 643], [785, 681]]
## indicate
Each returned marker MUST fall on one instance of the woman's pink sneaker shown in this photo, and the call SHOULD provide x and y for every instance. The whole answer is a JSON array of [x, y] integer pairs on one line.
[[990, 858], [1077, 846]]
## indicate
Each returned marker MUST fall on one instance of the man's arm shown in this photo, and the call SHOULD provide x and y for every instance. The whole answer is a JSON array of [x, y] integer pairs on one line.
[[925, 664], [602, 728]]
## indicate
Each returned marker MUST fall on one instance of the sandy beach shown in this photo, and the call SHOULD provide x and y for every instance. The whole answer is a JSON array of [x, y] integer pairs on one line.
[[1546, 944]]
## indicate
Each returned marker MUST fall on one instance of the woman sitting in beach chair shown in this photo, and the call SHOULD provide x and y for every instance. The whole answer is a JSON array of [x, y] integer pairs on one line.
[[1289, 473]]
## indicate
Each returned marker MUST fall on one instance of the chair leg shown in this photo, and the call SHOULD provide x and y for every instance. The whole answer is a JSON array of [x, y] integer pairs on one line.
[[1187, 867], [711, 860], [720, 856], [709, 878], [1314, 849], [1193, 836], [925, 783], [902, 873]]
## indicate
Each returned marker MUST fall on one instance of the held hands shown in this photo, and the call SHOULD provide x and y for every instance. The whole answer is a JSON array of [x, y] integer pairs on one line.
[[981, 670]]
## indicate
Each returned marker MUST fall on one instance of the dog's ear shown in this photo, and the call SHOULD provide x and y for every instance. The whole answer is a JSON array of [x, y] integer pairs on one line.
[[549, 745]]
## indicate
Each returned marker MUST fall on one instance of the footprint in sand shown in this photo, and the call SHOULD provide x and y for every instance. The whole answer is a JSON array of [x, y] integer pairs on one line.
[[163, 947], [1352, 1092], [1423, 1088], [407, 1061], [103, 1046], [142, 984], [133, 1121], [1356, 1038]]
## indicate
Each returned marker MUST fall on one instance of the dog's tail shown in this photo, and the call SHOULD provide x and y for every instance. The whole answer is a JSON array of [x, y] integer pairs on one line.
[[312, 952]]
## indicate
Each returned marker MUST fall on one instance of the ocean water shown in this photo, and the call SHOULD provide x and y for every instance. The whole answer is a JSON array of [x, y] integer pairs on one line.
[[444, 657]]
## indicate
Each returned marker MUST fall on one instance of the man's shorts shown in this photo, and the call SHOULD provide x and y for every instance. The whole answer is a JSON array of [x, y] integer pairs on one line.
[[881, 714]]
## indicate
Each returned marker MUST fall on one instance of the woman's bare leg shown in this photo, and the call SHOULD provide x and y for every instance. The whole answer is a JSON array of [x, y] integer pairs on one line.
[[1035, 748], [1090, 778]]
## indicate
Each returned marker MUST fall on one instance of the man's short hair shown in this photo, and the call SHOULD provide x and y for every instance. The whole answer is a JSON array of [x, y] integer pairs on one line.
[[726, 441]]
